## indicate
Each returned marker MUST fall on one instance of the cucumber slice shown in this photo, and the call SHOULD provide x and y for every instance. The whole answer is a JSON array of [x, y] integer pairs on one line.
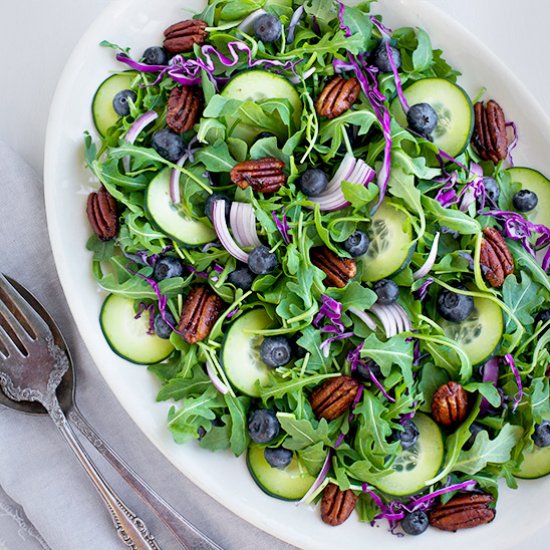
[[103, 112], [537, 183], [479, 335], [414, 466], [454, 109], [169, 218], [128, 336], [390, 247], [256, 85], [536, 463], [290, 483], [241, 352]]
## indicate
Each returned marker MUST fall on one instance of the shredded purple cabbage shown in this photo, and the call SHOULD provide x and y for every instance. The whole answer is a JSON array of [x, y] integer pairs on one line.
[[332, 310], [294, 22], [380, 26], [518, 228], [282, 226], [151, 309], [354, 359], [423, 289], [325, 345], [343, 26], [417, 354], [509, 360], [473, 190], [232, 313], [188, 71], [426, 501]]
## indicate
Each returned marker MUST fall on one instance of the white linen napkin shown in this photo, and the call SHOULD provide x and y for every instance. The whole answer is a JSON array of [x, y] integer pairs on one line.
[[37, 469]]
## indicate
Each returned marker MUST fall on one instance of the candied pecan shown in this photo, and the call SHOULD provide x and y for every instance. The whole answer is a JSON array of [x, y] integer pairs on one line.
[[184, 104], [200, 311], [101, 209], [338, 270], [462, 512], [450, 404], [334, 397], [495, 259], [336, 505], [182, 36], [337, 96], [264, 175], [490, 137]]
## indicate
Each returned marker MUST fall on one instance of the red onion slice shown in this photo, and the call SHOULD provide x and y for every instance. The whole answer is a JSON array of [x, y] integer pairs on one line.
[[175, 181], [296, 79], [220, 226], [387, 320], [344, 170], [430, 260], [364, 316], [243, 224], [133, 132], [214, 378], [319, 480]]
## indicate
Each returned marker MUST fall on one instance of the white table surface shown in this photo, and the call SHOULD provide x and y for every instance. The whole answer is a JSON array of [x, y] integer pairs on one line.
[[37, 37]]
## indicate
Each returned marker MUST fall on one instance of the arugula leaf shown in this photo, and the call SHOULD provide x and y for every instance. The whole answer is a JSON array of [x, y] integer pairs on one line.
[[313, 457], [522, 298], [354, 294], [485, 450], [311, 341], [422, 56], [431, 379], [453, 219], [180, 388], [278, 389], [487, 389], [103, 250], [523, 258], [217, 438], [359, 196], [238, 407], [303, 433], [216, 158]]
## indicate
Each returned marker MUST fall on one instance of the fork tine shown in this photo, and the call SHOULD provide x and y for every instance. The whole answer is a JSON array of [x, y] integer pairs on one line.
[[9, 321], [20, 309], [8, 345]]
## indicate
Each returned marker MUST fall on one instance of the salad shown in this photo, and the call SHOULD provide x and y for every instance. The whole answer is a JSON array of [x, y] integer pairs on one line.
[[319, 244]]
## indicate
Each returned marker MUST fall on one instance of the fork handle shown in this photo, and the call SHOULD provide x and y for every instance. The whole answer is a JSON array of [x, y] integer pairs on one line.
[[184, 532], [131, 529]]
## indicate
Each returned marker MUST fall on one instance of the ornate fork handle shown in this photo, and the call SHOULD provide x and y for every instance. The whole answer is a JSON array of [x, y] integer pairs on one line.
[[184, 532], [130, 529]]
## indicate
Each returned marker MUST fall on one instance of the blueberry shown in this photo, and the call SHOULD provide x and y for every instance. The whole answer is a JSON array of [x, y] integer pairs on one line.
[[276, 351], [364, 369], [209, 205], [167, 267], [155, 55], [120, 102], [242, 278], [168, 144], [263, 426], [409, 436], [387, 291], [264, 135], [415, 523], [381, 58], [261, 260], [525, 200], [492, 190], [475, 428], [542, 317], [356, 244], [162, 328], [454, 307], [267, 28], [541, 437], [278, 457], [313, 182], [422, 119]]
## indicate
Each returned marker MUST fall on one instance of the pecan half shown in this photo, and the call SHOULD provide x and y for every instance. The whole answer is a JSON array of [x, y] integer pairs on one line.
[[450, 404], [200, 311], [101, 209], [338, 270], [495, 259], [264, 175], [490, 137], [336, 505], [337, 97], [334, 397], [463, 512], [184, 104], [182, 36]]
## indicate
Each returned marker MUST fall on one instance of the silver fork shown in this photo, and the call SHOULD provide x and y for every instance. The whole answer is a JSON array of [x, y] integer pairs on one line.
[[31, 369]]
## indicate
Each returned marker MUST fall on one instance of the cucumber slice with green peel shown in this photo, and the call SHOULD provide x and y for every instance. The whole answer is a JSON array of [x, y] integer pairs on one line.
[[241, 352], [256, 85], [290, 483], [453, 107], [390, 247], [103, 112], [536, 463], [169, 218], [480, 334], [128, 336], [540, 185], [414, 466]]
